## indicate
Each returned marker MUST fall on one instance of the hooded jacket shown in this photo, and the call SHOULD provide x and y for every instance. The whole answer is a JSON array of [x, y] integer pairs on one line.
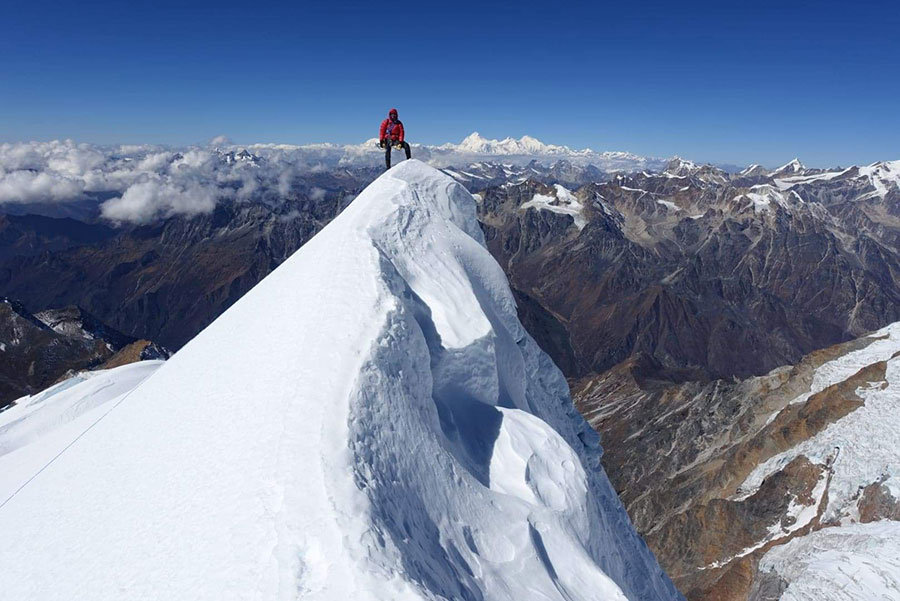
[[391, 128]]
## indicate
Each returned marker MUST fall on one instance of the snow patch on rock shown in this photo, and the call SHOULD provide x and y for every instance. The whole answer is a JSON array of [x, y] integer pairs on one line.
[[867, 439], [564, 203]]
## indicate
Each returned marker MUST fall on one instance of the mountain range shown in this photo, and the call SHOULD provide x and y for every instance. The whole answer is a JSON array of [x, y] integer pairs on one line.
[[713, 274], [473, 148]]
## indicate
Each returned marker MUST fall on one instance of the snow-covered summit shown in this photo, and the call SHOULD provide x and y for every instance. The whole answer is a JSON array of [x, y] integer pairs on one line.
[[754, 170], [791, 168], [477, 144], [680, 167], [369, 422], [883, 176]]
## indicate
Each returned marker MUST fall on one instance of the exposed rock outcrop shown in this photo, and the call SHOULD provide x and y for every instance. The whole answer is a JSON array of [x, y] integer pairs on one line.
[[38, 350], [682, 453]]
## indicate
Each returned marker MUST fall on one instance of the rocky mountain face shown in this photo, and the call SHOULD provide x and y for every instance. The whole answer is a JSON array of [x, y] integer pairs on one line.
[[168, 280], [703, 272], [716, 474], [22, 235], [39, 349], [75, 323], [715, 274], [481, 175]]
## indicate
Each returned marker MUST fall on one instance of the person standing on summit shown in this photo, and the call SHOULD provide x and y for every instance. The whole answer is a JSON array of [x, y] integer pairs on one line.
[[391, 135]]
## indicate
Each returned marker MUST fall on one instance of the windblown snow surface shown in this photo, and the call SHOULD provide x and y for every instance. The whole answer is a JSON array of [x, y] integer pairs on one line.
[[38, 427], [370, 422]]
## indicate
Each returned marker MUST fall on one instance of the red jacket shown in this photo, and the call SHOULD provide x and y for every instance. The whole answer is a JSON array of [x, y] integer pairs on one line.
[[394, 130]]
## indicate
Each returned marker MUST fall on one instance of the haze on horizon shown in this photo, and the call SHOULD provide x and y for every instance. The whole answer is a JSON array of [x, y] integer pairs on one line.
[[722, 84]]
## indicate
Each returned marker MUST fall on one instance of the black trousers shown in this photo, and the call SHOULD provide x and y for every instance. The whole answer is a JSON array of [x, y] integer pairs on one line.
[[387, 152]]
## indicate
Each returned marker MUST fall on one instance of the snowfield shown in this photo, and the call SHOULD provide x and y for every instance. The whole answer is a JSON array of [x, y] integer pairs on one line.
[[370, 422], [850, 563], [38, 427], [865, 441], [564, 203], [846, 560]]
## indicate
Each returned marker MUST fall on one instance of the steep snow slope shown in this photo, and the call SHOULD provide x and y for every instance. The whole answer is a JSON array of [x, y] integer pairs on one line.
[[37, 427], [371, 421]]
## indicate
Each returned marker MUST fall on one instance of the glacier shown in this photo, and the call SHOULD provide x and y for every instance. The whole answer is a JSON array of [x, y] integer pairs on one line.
[[370, 422], [851, 562]]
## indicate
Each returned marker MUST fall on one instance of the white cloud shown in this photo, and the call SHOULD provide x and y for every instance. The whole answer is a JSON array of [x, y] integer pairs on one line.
[[148, 200], [149, 182], [222, 140], [285, 181], [194, 159], [154, 161], [73, 161], [316, 193], [31, 186]]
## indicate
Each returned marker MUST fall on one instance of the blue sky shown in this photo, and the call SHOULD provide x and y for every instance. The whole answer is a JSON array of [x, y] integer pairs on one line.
[[755, 82]]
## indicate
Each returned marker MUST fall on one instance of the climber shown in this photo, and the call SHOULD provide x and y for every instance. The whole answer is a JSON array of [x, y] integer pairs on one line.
[[391, 136]]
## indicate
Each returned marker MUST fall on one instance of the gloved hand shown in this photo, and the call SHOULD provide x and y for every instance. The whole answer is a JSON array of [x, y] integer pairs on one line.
[[381, 143], [398, 144]]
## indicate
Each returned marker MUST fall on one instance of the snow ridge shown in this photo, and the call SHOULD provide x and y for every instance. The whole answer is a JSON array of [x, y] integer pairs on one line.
[[371, 422]]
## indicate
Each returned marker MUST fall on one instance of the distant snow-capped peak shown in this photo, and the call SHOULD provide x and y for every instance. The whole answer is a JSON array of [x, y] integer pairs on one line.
[[472, 148], [239, 156], [795, 166], [755, 170], [478, 144], [882, 175], [529, 146], [681, 167]]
